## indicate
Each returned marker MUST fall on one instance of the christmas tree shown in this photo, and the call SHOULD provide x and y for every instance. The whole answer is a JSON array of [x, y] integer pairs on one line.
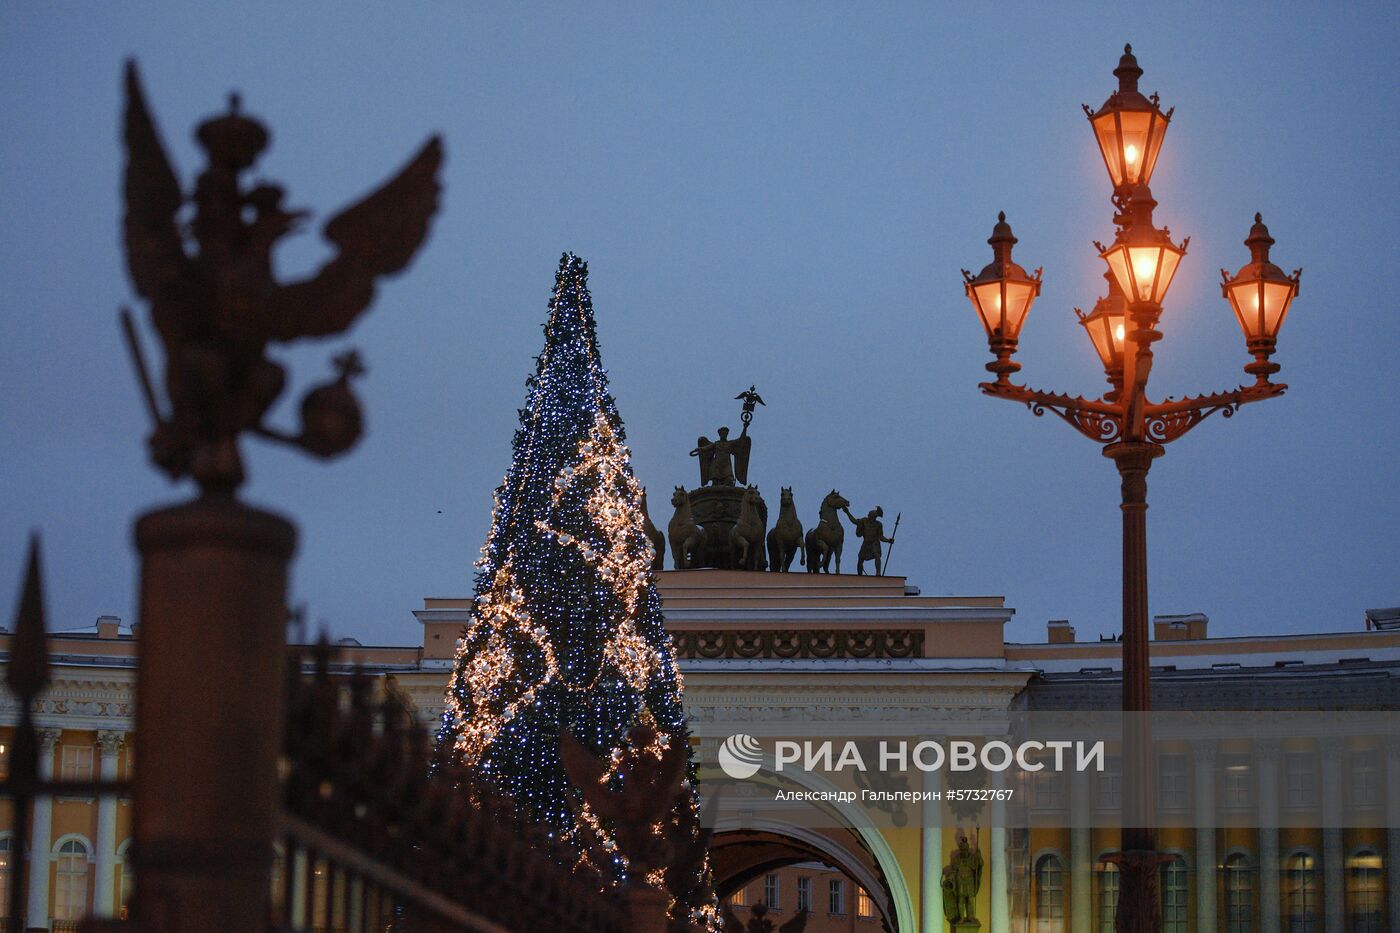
[[566, 631]]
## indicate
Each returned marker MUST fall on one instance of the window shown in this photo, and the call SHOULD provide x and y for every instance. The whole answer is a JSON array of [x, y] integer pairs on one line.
[[1365, 778], [1110, 784], [836, 896], [128, 877], [4, 762], [739, 898], [1300, 894], [7, 871], [1173, 791], [1301, 773], [70, 897], [1049, 895], [1048, 790], [1235, 790], [1106, 875], [865, 904], [1365, 878], [770, 892], [77, 763], [1239, 894], [1174, 904], [804, 893]]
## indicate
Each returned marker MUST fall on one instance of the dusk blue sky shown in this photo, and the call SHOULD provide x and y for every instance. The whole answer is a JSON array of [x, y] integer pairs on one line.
[[774, 193]]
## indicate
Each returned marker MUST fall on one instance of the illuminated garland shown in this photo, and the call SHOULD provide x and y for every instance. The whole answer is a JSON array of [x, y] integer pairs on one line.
[[566, 629]]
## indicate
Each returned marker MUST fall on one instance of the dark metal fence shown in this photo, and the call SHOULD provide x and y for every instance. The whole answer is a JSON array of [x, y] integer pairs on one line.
[[375, 838]]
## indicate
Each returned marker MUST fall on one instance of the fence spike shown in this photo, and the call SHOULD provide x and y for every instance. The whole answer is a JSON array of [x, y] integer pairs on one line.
[[28, 673]]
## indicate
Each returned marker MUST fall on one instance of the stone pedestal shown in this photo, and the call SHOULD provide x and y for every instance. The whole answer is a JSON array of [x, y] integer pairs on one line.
[[965, 926], [209, 714]]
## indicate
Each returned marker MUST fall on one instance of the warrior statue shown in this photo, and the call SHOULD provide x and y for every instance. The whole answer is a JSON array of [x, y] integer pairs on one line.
[[965, 866], [724, 462], [949, 886], [871, 532]]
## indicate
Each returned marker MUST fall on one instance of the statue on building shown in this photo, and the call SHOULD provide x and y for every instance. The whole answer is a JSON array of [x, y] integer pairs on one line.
[[871, 532], [785, 540], [724, 462], [825, 540], [654, 535], [687, 537], [718, 505], [746, 537], [965, 870]]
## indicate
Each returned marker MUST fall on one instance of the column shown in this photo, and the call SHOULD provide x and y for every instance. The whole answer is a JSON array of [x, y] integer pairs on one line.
[[930, 883], [41, 837], [1333, 748], [300, 876], [213, 585], [1081, 858], [109, 745], [1205, 752], [1266, 756], [1392, 834], [1001, 888]]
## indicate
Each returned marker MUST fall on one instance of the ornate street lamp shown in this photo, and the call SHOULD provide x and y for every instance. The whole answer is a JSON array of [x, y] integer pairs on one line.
[[1260, 294], [1107, 327], [1002, 295], [1129, 128], [1141, 261]]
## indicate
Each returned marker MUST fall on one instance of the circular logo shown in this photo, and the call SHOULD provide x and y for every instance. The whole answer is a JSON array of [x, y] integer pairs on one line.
[[740, 756]]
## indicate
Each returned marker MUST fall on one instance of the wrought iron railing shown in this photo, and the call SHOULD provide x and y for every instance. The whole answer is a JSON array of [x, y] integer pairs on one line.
[[374, 837]]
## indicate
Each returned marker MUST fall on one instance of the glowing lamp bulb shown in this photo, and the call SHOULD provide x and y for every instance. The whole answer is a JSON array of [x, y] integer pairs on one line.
[[1144, 268], [1118, 333], [1130, 152]]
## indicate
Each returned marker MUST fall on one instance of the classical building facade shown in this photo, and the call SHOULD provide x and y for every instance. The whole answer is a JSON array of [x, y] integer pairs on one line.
[[822, 656]]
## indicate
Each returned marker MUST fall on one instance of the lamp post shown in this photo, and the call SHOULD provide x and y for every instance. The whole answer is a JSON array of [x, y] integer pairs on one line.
[[1142, 261]]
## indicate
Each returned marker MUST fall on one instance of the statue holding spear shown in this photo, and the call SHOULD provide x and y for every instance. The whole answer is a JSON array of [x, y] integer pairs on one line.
[[871, 532]]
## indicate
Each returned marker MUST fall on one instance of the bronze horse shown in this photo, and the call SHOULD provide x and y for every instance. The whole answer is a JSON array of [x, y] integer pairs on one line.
[[654, 535], [687, 538], [826, 539], [785, 540], [746, 537]]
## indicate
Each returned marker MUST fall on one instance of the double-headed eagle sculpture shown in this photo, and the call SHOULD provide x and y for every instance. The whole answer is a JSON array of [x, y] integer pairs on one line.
[[204, 263]]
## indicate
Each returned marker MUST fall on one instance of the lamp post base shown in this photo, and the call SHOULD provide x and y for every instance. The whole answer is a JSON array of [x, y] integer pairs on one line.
[[1138, 907]]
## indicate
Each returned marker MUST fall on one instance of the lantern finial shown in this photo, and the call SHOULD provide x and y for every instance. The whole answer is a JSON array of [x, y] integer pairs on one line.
[[1002, 239], [1128, 70], [1259, 241]]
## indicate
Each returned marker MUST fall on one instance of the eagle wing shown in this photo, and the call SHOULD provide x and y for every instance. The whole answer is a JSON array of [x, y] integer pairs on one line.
[[377, 237], [155, 255]]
